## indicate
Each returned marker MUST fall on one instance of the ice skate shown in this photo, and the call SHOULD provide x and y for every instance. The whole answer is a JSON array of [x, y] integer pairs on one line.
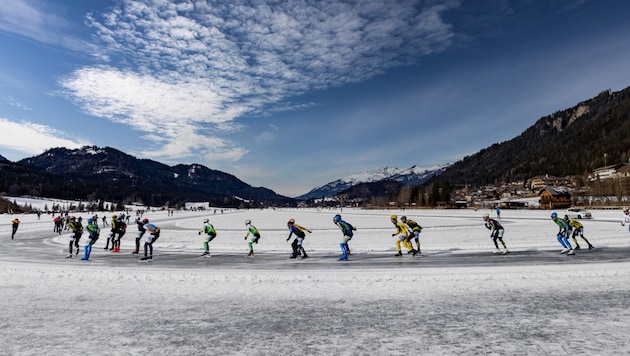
[[398, 254], [304, 256], [69, 256], [590, 247], [343, 258], [414, 252], [146, 258], [564, 251], [293, 256], [496, 252], [571, 252], [577, 247], [506, 251], [250, 254]]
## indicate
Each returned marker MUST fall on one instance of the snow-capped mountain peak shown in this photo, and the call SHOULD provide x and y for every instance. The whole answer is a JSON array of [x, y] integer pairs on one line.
[[413, 175]]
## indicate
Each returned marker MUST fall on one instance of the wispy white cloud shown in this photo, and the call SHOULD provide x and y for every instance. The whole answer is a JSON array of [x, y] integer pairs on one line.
[[16, 103], [184, 72], [34, 138], [39, 21]]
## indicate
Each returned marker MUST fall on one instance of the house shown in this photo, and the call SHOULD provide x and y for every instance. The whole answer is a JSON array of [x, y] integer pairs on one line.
[[606, 172], [539, 182], [554, 198]]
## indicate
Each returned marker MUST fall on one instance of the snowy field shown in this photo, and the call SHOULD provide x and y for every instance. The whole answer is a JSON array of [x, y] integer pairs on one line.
[[374, 304]]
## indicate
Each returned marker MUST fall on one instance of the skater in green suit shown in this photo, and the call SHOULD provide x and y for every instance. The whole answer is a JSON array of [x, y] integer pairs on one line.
[[253, 231], [211, 233]]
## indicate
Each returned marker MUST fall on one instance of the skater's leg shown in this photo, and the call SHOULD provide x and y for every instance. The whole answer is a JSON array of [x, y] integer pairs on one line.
[[560, 239], [344, 252], [294, 247]]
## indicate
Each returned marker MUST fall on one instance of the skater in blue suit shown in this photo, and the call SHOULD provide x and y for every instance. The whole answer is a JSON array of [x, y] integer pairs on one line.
[[93, 233], [563, 234], [347, 230]]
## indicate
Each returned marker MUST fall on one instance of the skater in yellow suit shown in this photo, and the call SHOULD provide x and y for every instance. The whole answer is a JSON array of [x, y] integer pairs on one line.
[[402, 234], [577, 229]]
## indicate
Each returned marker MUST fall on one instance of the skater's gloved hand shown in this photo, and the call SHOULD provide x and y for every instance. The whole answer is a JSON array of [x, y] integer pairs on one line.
[[393, 234], [245, 238], [288, 238], [199, 233]]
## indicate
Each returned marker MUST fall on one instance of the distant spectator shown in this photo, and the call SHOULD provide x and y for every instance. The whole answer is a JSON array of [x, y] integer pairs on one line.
[[626, 218], [16, 224]]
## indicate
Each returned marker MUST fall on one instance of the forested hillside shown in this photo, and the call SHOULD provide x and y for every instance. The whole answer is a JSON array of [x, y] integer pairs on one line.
[[569, 142]]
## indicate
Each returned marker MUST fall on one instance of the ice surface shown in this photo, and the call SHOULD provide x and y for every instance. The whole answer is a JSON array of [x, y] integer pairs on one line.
[[53, 306]]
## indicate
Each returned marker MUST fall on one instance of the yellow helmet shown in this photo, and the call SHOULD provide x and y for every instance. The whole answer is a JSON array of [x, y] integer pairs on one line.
[[394, 217]]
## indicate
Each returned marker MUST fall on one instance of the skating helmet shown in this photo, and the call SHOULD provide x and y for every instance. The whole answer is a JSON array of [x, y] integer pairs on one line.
[[145, 220], [625, 210], [247, 222], [403, 218], [114, 216], [291, 221], [394, 217], [337, 218], [486, 216], [90, 220], [554, 215], [566, 218], [72, 217], [205, 221]]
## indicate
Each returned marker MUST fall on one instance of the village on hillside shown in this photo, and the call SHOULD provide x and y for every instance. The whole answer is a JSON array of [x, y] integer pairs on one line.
[[604, 187]]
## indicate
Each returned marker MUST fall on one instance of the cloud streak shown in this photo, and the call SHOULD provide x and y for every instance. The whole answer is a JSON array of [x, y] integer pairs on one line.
[[41, 137], [34, 20], [183, 73]]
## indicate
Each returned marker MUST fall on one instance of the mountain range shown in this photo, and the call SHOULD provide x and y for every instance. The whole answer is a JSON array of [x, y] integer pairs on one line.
[[93, 173], [574, 141], [410, 176]]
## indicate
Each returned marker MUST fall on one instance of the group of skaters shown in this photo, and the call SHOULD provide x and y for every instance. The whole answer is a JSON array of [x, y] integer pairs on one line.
[[407, 232], [295, 230], [567, 228], [118, 229]]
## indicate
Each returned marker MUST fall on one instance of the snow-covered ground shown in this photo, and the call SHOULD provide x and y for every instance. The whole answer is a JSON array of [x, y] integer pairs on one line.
[[50, 305]]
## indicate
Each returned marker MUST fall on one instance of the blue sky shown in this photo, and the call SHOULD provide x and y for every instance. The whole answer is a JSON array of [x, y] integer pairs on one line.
[[291, 95]]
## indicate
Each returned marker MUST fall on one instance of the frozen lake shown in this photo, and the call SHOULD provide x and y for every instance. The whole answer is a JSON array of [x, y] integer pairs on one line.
[[454, 298]]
